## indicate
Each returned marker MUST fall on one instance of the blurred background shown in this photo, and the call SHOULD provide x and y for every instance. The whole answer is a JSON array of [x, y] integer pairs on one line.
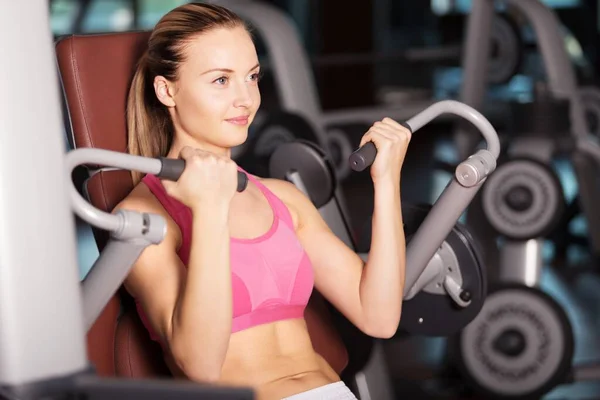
[[384, 46]]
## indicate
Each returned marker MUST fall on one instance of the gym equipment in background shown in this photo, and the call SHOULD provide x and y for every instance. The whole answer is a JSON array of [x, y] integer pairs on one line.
[[266, 135], [561, 83], [590, 101], [521, 344], [524, 200], [520, 261]]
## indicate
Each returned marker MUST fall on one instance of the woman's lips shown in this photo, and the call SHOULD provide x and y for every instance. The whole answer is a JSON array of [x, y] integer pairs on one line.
[[238, 120]]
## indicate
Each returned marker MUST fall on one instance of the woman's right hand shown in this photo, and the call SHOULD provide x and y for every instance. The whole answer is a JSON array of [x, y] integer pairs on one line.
[[207, 180]]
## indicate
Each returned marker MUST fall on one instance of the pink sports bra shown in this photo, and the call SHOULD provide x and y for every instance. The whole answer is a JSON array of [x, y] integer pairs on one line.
[[271, 275]]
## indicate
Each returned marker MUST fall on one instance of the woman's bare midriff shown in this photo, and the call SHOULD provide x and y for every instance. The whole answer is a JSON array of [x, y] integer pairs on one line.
[[276, 360]]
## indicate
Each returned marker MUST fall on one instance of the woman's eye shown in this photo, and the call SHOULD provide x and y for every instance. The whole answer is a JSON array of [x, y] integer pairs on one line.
[[221, 81], [256, 76]]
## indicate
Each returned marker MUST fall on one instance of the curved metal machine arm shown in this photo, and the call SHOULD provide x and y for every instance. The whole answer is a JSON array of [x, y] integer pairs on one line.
[[131, 232], [469, 176], [122, 225]]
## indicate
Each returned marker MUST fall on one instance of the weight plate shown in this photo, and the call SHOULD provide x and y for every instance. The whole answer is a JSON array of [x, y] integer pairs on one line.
[[590, 101], [506, 51], [433, 314], [311, 163], [523, 199], [520, 346]]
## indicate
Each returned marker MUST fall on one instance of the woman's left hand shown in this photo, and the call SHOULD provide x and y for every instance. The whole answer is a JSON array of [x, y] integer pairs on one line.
[[391, 140]]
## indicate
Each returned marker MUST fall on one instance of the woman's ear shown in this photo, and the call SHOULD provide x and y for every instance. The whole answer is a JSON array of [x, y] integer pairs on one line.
[[164, 90]]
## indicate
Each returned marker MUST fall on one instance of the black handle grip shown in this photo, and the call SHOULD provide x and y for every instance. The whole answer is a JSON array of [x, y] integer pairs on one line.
[[172, 169], [365, 155]]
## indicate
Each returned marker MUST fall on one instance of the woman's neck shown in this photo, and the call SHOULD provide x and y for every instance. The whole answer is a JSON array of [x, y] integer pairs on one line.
[[181, 142]]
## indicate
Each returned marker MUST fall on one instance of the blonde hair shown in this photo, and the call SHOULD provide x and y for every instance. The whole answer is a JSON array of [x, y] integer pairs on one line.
[[149, 124]]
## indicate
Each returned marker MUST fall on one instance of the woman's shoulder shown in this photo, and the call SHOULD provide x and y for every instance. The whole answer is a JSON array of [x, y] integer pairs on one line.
[[284, 190], [140, 199], [296, 201]]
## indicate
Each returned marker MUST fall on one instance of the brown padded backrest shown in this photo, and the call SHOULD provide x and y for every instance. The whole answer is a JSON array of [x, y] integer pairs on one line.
[[96, 71]]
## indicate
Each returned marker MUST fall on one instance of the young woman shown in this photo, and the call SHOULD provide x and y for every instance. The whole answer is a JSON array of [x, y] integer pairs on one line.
[[225, 292]]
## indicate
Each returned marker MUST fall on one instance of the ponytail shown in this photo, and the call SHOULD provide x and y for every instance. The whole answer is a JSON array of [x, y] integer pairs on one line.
[[149, 125]]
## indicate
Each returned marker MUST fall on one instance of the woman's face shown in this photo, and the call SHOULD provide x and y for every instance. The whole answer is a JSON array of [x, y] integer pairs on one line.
[[216, 95]]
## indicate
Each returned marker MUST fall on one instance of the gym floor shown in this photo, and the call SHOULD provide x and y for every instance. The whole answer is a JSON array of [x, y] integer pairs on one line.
[[415, 364]]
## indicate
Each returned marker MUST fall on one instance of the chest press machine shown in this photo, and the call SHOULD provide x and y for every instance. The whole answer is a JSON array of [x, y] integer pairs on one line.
[[45, 312]]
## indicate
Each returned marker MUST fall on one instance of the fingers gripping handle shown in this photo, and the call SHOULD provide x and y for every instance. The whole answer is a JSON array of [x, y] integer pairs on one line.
[[365, 155], [172, 169]]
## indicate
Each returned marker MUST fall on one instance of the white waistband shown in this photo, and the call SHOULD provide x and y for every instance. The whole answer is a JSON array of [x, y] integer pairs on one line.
[[332, 391]]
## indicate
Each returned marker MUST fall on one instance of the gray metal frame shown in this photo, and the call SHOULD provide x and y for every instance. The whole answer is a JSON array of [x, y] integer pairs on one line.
[[41, 328], [469, 176]]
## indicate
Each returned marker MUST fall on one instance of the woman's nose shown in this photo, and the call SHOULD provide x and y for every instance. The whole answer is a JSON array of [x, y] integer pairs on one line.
[[243, 97]]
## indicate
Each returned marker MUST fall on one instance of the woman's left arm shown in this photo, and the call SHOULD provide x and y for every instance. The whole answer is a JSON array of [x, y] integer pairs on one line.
[[368, 294]]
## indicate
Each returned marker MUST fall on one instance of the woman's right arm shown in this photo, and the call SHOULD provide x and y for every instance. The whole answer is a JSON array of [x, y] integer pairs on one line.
[[191, 308], [188, 308], [201, 321]]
